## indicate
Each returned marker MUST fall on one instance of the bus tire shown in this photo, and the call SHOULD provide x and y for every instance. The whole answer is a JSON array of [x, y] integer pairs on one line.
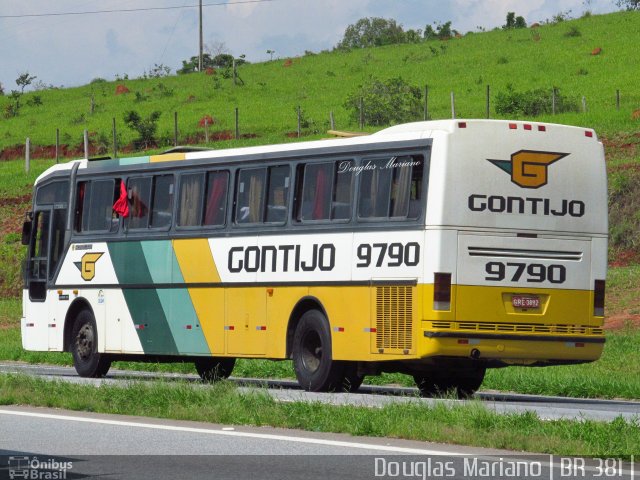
[[315, 369], [212, 369], [352, 380], [87, 361]]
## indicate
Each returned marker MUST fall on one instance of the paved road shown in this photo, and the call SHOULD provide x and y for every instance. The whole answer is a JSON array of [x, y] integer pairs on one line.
[[550, 408], [114, 446]]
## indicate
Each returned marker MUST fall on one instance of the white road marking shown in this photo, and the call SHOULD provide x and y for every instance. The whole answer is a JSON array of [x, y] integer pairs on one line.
[[264, 436]]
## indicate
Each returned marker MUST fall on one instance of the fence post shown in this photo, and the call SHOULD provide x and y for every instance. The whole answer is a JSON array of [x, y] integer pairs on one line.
[[206, 129], [488, 100], [332, 121], [115, 139], [617, 99], [553, 100], [584, 104], [237, 125], [86, 144], [426, 102], [453, 106], [27, 155], [361, 113], [57, 145], [175, 129]]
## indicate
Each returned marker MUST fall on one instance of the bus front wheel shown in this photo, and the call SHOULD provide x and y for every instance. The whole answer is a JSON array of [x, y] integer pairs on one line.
[[84, 347], [212, 369], [312, 362]]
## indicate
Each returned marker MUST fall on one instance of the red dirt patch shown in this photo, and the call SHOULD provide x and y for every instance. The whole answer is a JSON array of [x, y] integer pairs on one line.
[[287, 63], [208, 119], [621, 321], [596, 51], [121, 89], [210, 71]]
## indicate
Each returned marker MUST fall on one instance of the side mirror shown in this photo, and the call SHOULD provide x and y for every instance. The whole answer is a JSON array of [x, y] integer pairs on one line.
[[26, 230]]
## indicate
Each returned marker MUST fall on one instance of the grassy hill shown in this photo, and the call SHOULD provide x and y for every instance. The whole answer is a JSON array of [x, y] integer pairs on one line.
[[555, 55]]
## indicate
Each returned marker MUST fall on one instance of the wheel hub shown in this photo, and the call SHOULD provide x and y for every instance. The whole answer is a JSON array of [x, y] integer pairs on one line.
[[84, 342]]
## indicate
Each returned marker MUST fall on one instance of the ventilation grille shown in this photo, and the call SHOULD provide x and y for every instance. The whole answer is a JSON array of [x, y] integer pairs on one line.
[[517, 328], [394, 317]]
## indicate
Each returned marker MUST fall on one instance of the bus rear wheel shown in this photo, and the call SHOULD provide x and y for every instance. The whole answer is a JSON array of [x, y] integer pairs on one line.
[[212, 369], [84, 347], [315, 369], [462, 382]]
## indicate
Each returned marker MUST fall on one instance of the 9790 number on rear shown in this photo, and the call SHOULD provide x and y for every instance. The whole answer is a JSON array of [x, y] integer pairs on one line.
[[529, 272]]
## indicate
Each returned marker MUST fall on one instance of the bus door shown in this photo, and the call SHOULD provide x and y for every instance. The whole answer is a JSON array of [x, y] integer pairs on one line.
[[45, 249]]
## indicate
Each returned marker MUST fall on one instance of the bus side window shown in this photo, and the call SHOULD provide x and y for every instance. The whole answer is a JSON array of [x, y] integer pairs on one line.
[[215, 208], [94, 206], [162, 201], [391, 187], [326, 191], [278, 194], [250, 195], [139, 199], [191, 199]]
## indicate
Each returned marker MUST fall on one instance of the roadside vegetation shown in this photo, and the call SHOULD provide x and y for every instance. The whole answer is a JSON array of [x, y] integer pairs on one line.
[[223, 403]]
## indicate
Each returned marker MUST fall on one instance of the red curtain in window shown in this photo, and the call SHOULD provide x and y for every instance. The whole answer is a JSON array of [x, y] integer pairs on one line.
[[214, 214], [121, 207], [319, 205]]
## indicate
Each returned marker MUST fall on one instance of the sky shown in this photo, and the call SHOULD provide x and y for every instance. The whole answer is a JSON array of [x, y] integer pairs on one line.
[[71, 50]]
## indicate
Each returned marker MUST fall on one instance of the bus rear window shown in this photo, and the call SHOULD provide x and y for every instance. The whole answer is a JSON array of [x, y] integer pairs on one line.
[[391, 187]]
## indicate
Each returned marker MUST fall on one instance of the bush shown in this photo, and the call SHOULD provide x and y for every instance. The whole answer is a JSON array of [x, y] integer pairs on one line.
[[533, 102], [146, 128], [386, 102]]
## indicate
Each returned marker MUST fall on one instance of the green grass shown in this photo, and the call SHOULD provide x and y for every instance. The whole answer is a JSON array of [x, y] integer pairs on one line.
[[223, 403], [524, 58]]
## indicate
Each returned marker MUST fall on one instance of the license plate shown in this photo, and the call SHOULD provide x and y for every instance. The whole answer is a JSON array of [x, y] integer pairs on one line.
[[524, 301]]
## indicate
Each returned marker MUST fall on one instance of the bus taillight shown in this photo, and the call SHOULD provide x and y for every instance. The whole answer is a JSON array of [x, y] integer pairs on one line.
[[598, 298], [442, 291]]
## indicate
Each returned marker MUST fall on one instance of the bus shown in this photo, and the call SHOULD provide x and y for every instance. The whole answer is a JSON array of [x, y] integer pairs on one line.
[[437, 249]]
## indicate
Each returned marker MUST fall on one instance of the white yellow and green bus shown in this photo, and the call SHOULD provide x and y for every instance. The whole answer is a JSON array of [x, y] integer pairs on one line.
[[436, 249]]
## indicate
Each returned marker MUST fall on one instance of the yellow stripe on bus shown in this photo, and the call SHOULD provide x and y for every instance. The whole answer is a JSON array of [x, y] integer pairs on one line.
[[167, 157], [197, 266]]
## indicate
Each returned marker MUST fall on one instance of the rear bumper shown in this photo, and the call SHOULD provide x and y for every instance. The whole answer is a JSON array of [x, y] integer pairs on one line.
[[513, 349]]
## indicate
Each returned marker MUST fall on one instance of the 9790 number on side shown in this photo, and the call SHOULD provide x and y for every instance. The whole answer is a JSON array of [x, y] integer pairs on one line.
[[529, 272]]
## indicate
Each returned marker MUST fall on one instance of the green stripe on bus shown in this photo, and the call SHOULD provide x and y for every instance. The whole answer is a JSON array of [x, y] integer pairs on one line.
[[144, 305], [176, 302]]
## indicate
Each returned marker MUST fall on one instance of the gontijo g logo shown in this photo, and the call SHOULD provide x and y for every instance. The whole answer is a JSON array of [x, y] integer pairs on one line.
[[528, 168], [87, 265]]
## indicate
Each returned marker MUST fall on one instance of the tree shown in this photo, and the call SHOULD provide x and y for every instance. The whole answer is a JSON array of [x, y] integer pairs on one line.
[[146, 128], [628, 4], [514, 22], [443, 31], [372, 32], [271, 52], [24, 80], [429, 33]]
